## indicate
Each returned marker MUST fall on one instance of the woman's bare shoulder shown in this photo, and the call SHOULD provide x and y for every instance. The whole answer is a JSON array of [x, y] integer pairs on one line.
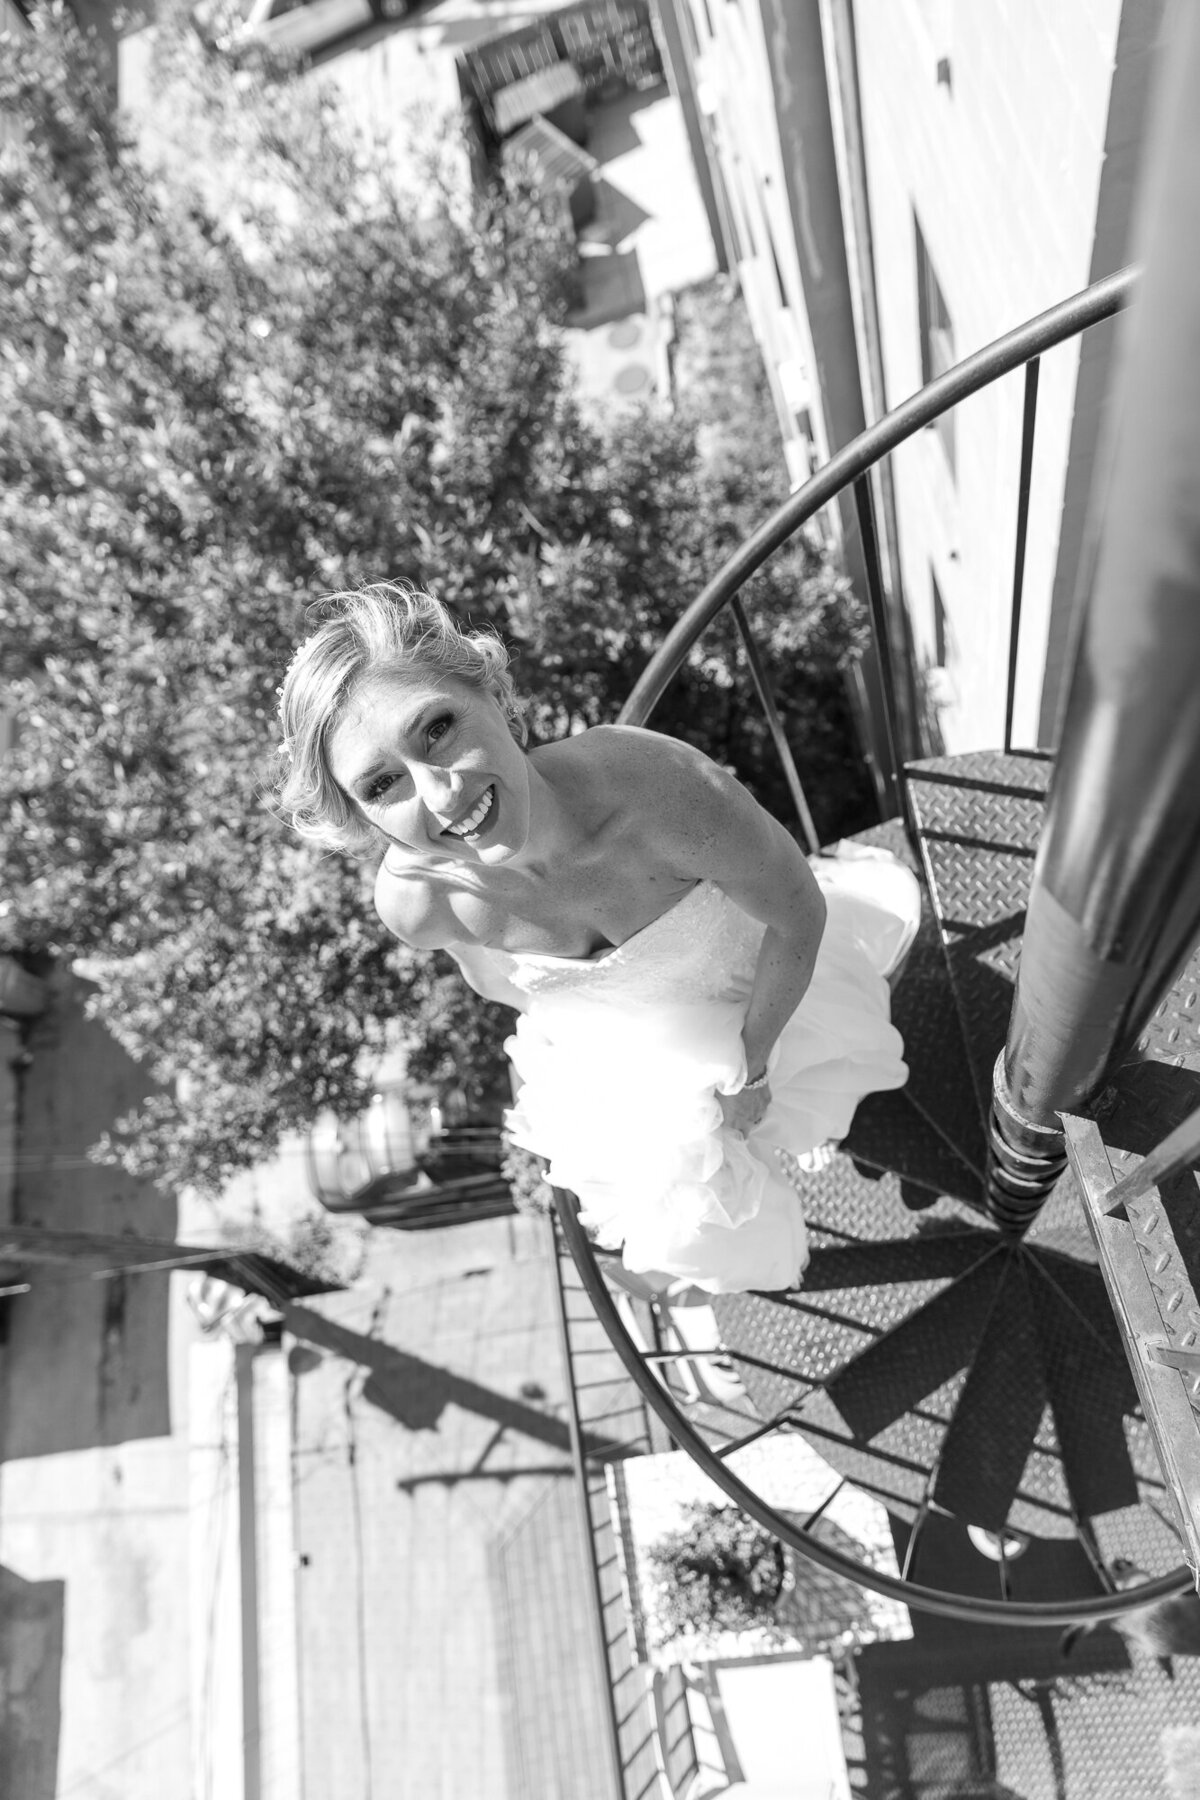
[[663, 771], [619, 775], [696, 814], [632, 751], [665, 795], [414, 909]]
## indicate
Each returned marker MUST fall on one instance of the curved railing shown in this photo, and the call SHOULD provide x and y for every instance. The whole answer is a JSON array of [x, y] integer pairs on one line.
[[851, 468], [712, 1462]]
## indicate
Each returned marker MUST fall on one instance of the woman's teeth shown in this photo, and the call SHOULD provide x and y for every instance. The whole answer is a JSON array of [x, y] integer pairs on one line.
[[468, 826]]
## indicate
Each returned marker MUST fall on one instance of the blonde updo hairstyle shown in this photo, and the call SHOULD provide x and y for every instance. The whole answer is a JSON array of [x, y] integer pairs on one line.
[[386, 628]]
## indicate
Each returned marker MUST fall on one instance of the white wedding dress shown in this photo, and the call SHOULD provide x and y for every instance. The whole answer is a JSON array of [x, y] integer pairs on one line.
[[621, 1055]]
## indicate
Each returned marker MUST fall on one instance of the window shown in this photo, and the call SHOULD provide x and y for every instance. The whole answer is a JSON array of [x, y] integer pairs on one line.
[[940, 645], [780, 285], [937, 335]]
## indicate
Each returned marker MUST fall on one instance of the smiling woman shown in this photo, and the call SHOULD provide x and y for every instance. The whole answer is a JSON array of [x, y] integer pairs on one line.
[[380, 640], [431, 760], [701, 1011]]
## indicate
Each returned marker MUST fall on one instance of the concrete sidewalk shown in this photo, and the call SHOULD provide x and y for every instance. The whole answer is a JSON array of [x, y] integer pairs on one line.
[[93, 1494]]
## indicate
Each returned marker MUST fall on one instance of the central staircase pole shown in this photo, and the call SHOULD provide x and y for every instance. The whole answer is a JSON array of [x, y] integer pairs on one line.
[[1115, 905]]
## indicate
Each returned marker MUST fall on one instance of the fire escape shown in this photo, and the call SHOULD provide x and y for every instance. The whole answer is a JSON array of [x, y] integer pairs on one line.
[[998, 1332]]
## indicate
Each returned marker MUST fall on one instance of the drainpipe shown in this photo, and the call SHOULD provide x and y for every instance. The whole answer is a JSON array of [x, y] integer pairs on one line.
[[243, 1359], [1115, 904]]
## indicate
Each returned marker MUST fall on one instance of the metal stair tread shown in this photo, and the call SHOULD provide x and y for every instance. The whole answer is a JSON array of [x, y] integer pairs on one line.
[[999, 1413], [936, 1101], [978, 818]]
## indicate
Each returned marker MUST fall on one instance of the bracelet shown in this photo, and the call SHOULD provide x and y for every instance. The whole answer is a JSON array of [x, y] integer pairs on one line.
[[760, 1081]]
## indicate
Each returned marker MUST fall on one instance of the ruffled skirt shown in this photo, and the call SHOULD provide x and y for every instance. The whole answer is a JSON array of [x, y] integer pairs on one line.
[[620, 1097]]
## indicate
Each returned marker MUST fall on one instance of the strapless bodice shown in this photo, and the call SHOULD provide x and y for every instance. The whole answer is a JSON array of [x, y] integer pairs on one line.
[[702, 948]]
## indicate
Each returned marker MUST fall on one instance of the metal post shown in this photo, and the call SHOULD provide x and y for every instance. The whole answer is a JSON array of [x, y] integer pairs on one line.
[[1115, 907], [766, 699], [864, 501], [1024, 485], [614, 1756]]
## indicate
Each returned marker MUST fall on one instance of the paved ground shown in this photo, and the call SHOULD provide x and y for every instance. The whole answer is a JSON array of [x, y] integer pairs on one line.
[[437, 1531], [93, 1497], [437, 1546]]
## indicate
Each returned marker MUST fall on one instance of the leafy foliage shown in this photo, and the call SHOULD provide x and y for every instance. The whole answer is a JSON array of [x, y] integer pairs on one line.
[[525, 1174], [719, 1571], [241, 368]]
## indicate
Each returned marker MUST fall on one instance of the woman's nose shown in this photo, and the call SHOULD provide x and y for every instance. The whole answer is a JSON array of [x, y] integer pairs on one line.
[[436, 788]]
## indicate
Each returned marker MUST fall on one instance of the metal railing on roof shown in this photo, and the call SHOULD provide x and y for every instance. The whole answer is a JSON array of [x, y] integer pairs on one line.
[[607, 1419]]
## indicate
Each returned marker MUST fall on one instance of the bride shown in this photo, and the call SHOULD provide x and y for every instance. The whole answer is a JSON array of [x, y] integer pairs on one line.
[[701, 1008]]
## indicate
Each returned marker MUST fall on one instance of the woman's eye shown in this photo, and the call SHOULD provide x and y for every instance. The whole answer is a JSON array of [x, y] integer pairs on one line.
[[379, 788], [439, 727]]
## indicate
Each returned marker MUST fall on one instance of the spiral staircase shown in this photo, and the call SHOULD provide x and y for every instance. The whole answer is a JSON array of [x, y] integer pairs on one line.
[[957, 1371], [973, 1370]]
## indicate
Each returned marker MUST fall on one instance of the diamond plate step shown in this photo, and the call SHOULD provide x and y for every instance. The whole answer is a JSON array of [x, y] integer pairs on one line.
[[932, 1345], [999, 1411], [931, 1131], [876, 1359], [929, 1360], [978, 818]]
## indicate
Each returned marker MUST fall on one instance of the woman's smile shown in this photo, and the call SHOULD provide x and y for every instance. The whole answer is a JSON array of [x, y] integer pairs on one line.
[[434, 766], [479, 819]]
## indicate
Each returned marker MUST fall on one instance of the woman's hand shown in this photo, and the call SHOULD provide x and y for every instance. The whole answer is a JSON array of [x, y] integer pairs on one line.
[[744, 1110]]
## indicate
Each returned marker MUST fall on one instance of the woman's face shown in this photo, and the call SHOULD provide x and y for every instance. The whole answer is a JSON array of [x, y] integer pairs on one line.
[[430, 760]]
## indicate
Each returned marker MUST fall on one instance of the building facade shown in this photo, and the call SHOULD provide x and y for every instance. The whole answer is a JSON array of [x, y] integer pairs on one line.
[[898, 183]]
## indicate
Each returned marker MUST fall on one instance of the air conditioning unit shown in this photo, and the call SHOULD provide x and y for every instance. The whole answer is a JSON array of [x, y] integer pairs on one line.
[[619, 364], [633, 348]]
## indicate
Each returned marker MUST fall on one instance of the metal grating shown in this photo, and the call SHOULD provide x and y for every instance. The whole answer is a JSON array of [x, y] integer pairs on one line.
[[894, 1374], [1089, 1389], [978, 819], [924, 1356], [931, 1131], [957, 1375], [989, 1439]]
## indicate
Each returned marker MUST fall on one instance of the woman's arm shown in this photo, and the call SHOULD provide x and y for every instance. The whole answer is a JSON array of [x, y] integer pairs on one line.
[[711, 828]]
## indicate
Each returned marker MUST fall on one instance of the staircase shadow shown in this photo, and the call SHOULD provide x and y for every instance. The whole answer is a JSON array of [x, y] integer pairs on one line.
[[32, 1619], [952, 1008]]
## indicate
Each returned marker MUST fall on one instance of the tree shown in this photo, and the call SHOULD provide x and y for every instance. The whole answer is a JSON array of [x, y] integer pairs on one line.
[[721, 1571], [226, 387]]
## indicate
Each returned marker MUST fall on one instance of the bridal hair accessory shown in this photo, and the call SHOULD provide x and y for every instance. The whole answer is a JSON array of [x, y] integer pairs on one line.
[[297, 653], [285, 746]]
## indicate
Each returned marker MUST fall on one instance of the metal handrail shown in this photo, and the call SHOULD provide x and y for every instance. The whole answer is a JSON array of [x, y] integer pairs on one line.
[[599, 1642], [851, 466], [895, 1587], [1066, 320]]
